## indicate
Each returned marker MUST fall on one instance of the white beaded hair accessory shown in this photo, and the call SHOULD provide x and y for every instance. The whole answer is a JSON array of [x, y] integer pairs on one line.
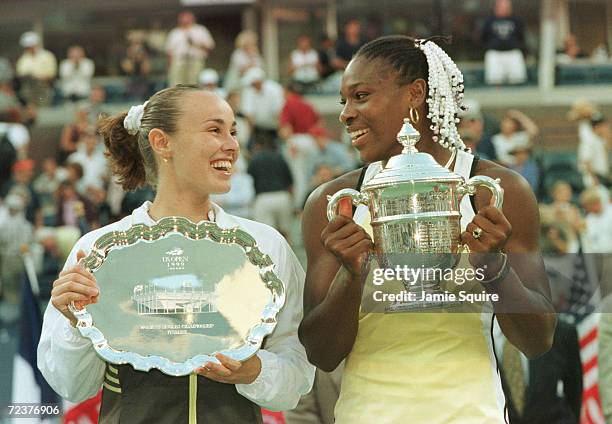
[[132, 121], [445, 97]]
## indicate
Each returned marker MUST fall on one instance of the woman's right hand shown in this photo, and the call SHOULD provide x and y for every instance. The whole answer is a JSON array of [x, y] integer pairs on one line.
[[349, 242], [74, 285]]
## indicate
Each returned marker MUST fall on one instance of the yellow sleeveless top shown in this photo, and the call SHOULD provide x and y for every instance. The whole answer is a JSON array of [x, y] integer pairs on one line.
[[417, 368]]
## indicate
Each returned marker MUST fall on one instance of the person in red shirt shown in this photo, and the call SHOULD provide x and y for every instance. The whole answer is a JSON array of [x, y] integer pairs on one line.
[[296, 119]]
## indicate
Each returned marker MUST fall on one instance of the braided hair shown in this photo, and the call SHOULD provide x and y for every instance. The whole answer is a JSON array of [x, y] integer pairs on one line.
[[412, 59]]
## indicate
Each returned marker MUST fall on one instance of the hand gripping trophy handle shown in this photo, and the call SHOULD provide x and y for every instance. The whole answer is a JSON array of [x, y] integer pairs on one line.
[[472, 184], [356, 197]]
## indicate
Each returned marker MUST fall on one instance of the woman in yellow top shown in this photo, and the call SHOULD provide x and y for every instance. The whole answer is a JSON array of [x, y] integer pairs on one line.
[[430, 367]]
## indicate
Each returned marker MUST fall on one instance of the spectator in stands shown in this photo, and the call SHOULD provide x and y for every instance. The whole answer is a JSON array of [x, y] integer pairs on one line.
[[297, 115], [516, 130], [571, 50], [544, 390], [73, 209], [262, 101], [476, 130], [137, 66], [76, 72], [296, 119], [330, 153], [209, 80], [51, 261], [101, 209], [504, 41], [598, 222], [600, 54], [15, 133], [45, 186], [9, 103], [72, 132], [593, 151], [246, 55], [273, 185], [21, 185], [90, 155], [243, 127], [563, 213], [74, 175], [327, 55], [36, 69], [554, 239], [187, 47], [304, 64], [15, 232], [97, 98], [239, 200], [348, 44], [525, 165], [6, 70]]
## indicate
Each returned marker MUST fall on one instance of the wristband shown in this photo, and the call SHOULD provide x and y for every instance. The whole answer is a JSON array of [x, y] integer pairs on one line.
[[501, 274]]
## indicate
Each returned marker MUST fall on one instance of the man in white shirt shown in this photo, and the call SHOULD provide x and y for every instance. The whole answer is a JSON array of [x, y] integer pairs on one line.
[[76, 72], [187, 47], [18, 135], [593, 150], [92, 159], [304, 63], [36, 69], [596, 237], [262, 101]]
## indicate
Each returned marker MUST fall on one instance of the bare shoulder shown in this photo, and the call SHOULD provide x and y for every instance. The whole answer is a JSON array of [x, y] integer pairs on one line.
[[520, 206], [314, 217], [318, 198], [517, 191]]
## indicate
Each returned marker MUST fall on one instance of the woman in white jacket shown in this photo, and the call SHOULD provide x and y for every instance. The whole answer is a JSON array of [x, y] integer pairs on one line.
[[182, 141]]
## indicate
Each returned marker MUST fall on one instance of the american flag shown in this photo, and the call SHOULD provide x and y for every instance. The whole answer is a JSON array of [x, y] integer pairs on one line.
[[584, 296]]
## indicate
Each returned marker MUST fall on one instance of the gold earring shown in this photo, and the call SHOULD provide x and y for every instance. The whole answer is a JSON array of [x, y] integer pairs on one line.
[[166, 160], [414, 115]]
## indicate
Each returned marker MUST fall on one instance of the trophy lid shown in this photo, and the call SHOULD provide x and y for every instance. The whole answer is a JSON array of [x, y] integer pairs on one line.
[[410, 165]]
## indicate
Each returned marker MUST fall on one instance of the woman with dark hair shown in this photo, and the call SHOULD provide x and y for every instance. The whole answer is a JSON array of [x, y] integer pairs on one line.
[[183, 143], [419, 367]]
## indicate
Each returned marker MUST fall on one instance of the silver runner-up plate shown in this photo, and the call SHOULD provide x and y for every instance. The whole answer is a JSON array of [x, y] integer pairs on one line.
[[175, 294]]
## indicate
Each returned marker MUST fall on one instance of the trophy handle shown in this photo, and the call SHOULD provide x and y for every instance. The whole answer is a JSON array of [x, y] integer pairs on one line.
[[356, 198], [470, 186]]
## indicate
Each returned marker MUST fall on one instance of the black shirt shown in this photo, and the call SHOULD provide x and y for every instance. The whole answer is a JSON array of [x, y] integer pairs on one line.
[[346, 51], [503, 33], [270, 172]]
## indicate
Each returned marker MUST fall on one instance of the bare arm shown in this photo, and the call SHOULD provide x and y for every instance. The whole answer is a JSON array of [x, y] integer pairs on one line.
[[526, 122], [332, 294], [524, 310]]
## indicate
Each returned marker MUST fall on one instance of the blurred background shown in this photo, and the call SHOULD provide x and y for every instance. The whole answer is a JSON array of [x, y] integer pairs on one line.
[[538, 77]]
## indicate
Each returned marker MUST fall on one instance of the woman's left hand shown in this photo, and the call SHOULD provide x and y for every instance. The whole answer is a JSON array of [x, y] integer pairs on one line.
[[487, 233], [231, 371]]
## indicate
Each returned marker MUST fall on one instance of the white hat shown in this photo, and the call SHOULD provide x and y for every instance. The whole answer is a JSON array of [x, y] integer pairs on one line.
[[14, 202], [473, 110], [29, 39], [252, 75], [208, 76]]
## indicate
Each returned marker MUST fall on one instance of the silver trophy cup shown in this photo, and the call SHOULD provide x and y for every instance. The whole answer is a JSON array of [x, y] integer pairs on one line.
[[415, 216]]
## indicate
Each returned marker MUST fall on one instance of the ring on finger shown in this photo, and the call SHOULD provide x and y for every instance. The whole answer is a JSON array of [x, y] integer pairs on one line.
[[477, 232]]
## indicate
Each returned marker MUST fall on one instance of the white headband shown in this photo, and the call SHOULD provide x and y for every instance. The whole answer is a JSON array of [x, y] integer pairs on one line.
[[132, 121]]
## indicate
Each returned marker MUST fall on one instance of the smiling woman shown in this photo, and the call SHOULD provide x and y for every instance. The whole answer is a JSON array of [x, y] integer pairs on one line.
[[183, 143], [443, 367]]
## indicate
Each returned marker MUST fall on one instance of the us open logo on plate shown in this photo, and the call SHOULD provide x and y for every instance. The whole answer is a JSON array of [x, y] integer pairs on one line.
[[175, 259]]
